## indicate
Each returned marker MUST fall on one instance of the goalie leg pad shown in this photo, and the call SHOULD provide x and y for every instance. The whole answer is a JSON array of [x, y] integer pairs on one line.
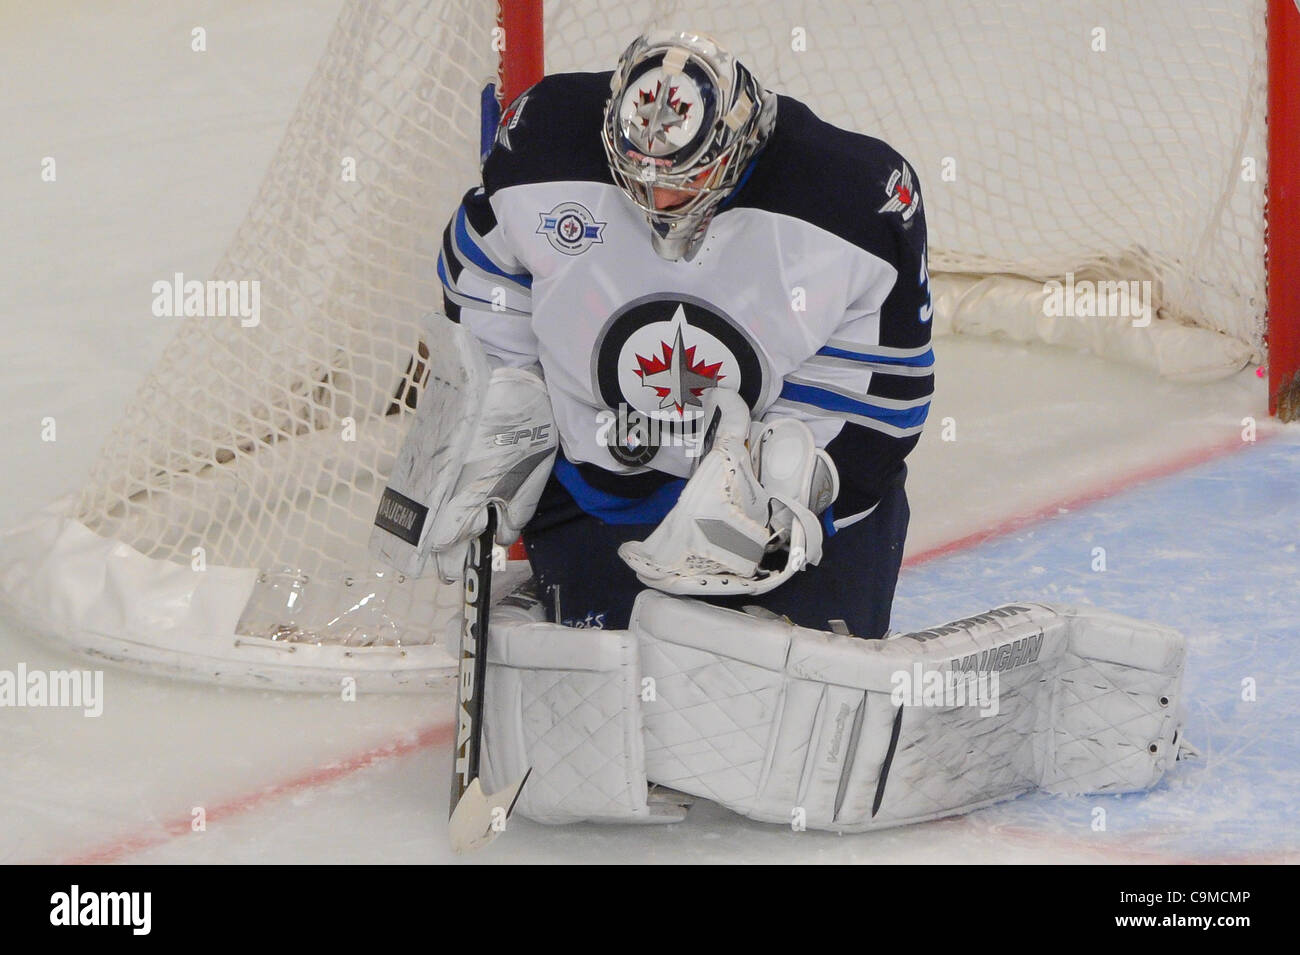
[[789, 725], [565, 702]]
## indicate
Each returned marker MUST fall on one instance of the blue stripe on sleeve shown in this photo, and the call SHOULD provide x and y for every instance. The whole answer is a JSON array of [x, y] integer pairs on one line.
[[917, 361], [480, 258], [442, 276], [830, 401]]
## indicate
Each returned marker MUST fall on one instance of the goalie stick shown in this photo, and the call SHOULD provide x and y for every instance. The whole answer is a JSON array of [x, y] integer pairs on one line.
[[476, 817], [418, 486]]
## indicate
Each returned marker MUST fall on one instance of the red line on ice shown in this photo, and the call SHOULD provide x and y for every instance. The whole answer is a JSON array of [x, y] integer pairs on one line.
[[179, 826], [1118, 485]]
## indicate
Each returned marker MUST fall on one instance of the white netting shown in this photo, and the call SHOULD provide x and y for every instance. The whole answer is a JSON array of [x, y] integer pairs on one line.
[[1126, 162]]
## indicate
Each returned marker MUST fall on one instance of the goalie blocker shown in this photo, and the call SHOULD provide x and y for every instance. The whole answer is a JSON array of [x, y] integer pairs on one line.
[[789, 725]]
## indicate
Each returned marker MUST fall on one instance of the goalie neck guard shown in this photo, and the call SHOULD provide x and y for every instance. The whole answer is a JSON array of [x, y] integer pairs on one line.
[[683, 115]]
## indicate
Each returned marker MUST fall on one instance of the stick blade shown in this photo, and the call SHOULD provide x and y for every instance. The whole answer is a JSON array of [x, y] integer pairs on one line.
[[474, 821]]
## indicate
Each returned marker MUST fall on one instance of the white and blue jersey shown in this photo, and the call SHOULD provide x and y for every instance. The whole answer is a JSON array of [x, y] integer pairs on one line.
[[809, 296]]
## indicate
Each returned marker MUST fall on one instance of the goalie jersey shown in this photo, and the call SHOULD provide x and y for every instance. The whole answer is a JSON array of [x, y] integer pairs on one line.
[[809, 296]]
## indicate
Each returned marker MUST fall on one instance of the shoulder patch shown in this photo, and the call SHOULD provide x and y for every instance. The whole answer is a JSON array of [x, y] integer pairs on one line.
[[901, 192], [510, 119], [570, 228]]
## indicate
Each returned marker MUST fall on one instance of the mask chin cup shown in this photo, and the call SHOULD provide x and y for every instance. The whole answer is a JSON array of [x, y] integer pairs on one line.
[[680, 235], [675, 241]]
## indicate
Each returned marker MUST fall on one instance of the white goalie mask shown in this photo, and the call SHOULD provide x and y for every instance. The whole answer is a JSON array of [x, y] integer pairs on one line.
[[683, 115]]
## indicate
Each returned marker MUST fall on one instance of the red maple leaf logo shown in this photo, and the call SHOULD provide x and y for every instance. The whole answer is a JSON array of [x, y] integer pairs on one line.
[[676, 383], [674, 100]]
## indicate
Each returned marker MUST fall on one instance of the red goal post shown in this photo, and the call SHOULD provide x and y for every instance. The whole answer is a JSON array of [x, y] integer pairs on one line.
[[1283, 211], [523, 47]]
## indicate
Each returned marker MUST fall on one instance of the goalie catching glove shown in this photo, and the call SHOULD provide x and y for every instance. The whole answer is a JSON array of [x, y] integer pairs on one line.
[[756, 493]]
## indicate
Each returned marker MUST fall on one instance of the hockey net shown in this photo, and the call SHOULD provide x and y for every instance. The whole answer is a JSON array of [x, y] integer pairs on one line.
[[223, 531]]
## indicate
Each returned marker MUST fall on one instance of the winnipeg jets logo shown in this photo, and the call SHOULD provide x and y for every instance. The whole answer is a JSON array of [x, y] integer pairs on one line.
[[659, 113], [655, 361], [674, 375], [903, 196], [571, 228]]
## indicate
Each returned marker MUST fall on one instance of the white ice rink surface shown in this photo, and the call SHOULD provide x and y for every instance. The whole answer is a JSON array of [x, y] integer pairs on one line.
[[159, 151]]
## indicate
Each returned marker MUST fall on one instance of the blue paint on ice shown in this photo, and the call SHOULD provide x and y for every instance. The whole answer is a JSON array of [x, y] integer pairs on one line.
[[1215, 552]]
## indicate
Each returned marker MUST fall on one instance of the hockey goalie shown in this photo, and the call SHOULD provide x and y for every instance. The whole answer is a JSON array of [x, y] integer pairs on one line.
[[697, 323]]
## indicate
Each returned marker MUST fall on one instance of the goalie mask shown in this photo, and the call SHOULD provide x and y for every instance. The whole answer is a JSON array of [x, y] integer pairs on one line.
[[683, 116]]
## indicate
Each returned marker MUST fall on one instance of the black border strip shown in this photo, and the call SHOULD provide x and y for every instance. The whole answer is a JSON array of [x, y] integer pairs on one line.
[[889, 760]]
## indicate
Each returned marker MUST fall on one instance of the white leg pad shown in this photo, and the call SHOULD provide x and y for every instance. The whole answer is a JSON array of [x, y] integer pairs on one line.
[[785, 724], [565, 703]]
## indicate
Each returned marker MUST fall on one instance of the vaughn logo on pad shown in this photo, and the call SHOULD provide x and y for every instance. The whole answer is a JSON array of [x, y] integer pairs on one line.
[[401, 516]]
